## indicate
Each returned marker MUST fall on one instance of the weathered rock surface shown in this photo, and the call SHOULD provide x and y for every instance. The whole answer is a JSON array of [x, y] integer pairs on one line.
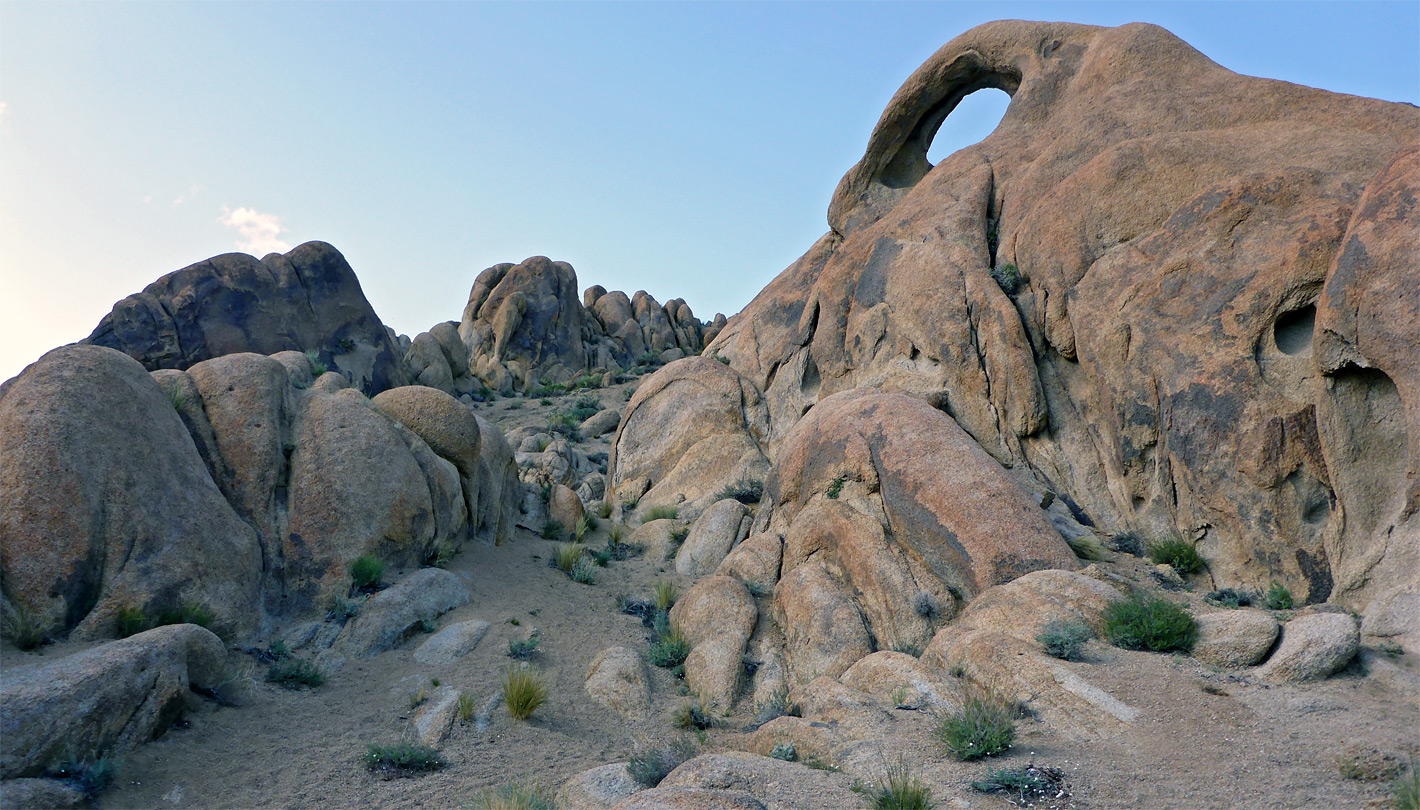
[[600, 424], [394, 614], [616, 679], [690, 798], [1215, 333], [717, 616], [779, 785], [691, 428], [600, 788], [1234, 638], [893, 676], [306, 300], [436, 716], [755, 561], [564, 507], [39, 794], [1313, 647], [711, 538], [108, 699], [452, 643]]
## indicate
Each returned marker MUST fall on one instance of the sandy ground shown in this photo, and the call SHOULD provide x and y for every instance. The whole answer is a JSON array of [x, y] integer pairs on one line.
[[1206, 738]]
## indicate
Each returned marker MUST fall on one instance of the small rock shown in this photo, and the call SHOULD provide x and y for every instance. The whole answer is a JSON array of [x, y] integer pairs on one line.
[[565, 507], [600, 424], [451, 643], [393, 614], [1313, 647], [436, 715], [1236, 638], [617, 680], [599, 788]]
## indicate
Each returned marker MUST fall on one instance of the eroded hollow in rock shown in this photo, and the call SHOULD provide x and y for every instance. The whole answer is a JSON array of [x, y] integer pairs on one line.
[[974, 118], [1293, 330]]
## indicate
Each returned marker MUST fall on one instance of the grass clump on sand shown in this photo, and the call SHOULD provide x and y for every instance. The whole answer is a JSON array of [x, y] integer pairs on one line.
[[1026, 786], [295, 672], [1063, 639], [899, 789], [365, 573], [665, 595], [649, 767], [668, 512], [1150, 623], [1277, 597], [24, 630], [745, 490], [668, 647], [524, 692], [985, 727], [567, 556], [1179, 553], [402, 759], [514, 796], [693, 715]]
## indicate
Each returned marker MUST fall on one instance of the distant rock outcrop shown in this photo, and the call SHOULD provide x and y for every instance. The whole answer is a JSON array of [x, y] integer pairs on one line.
[[1177, 298], [241, 485], [523, 325], [307, 300]]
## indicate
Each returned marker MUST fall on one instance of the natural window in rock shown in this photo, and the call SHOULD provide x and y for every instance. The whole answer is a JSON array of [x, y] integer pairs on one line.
[[975, 117], [1293, 330]]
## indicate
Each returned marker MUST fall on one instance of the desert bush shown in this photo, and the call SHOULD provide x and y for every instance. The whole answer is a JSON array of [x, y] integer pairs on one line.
[[899, 789], [663, 512], [744, 490], [1406, 789], [402, 759], [585, 408], [786, 751], [835, 487], [1063, 639], [584, 571], [649, 767], [1026, 786], [908, 648], [514, 796], [616, 533], [1127, 542], [88, 776], [587, 524], [343, 610], [438, 554], [1179, 553], [523, 649], [295, 672], [924, 605], [776, 705], [665, 595], [185, 613], [465, 707], [24, 630], [551, 530], [1009, 278], [693, 715], [603, 509], [1086, 547], [566, 425], [1277, 597], [669, 649], [418, 696], [1150, 623], [985, 727], [130, 621], [1229, 598], [567, 556], [365, 573], [523, 691]]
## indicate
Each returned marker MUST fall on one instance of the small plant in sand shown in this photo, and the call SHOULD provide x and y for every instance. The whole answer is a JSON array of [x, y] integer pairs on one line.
[[584, 571], [1179, 553], [567, 556], [524, 691], [24, 630], [663, 512], [775, 705], [985, 727], [649, 767], [514, 796], [1086, 547], [1406, 788], [586, 525], [1229, 598], [665, 595], [465, 707], [616, 533], [603, 509], [402, 759], [1150, 623], [551, 530], [438, 554], [1277, 597], [1063, 639], [365, 573], [294, 673], [670, 648], [693, 715], [1024, 787], [899, 789], [523, 649]]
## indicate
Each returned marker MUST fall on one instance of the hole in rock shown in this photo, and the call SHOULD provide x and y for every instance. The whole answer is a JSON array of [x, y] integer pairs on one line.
[[1293, 330], [975, 117]]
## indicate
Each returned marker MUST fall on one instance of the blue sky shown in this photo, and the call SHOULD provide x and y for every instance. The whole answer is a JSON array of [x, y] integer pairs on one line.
[[688, 149]]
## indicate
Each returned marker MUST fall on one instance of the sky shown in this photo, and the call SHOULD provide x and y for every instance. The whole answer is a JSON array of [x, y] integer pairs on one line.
[[687, 149]]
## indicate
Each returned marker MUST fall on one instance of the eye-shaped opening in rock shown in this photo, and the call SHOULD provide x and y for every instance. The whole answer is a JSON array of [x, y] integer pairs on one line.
[[964, 77], [1293, 330], [975, 117]]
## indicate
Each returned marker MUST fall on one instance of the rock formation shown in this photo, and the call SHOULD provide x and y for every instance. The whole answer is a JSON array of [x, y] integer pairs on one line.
[[1207, 315], [307, 300]]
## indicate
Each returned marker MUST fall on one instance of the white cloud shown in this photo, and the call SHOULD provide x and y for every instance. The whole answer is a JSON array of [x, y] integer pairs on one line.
[[4, 108], [257, 233]]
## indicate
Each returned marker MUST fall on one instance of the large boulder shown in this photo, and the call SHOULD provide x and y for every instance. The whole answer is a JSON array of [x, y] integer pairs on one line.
[[1234, 638], [1185, 255], [717, 616], [393, 615], [307, 300], [691, 428], [523, 322], [778, 784], [1313, 647], [711, 538], [105, 503], [616, 679], [104, 700]]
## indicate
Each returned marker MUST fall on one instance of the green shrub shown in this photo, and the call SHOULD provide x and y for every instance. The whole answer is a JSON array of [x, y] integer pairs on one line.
[[523, 649], [402, 759], [1086, 547], [587, 524], [835, 487], [176, 397], [1009, 278], [776, 705], [669, 649], [1178, 553], [584, 572], [365, 573], [1229, 598], [24, 630], [318, 366], [565, 424], [514, 796], [745, 490], [131, 621], [1150, 623], [984, 727], [786, 751], [295, 672], [1128, 542], [665, 512], [665, 595], [1277, 597], [900, 789], [1026, 786], [551, 530], [88, 776], [523, 691], [649, 767], [616, 533], [1063, 639], [465, 707], [693, 715], [186, 613], [1406, 789]]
